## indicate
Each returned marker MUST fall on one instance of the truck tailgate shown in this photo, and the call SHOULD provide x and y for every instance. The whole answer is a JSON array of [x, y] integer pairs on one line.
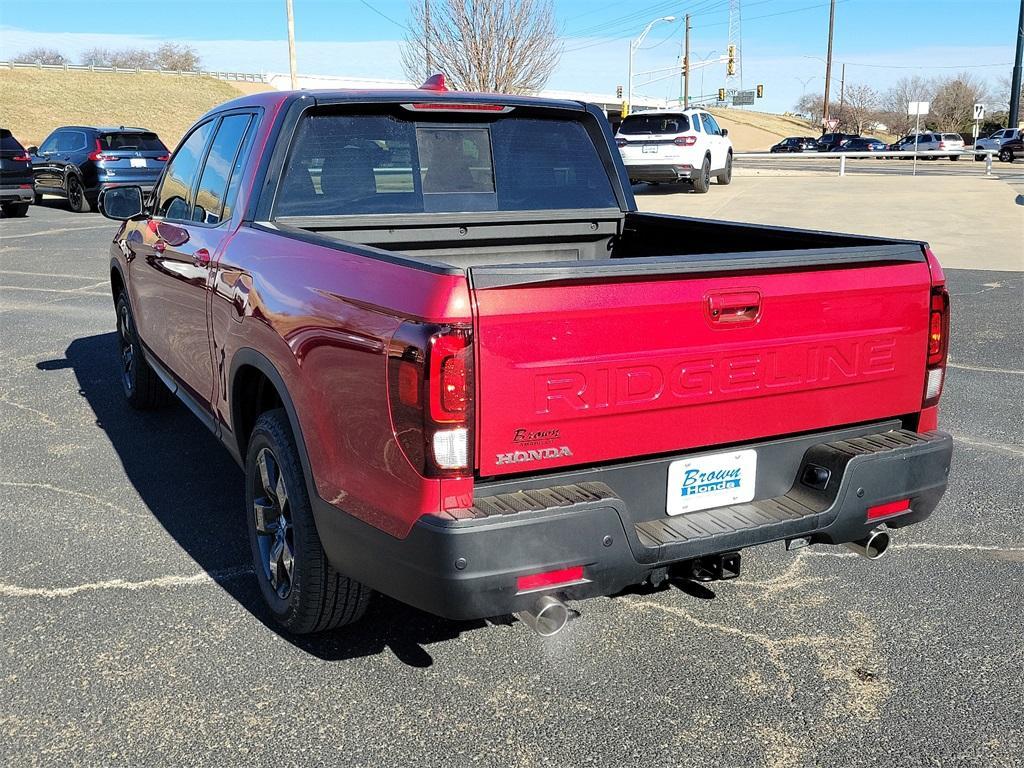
[[601, 365]]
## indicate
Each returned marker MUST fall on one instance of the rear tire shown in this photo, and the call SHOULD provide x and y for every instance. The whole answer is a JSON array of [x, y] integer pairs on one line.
[[702, 183], [142, 388], [303, 591], [76, 195], [725, 177], [954, 158], [1005, 156], [14, 210]]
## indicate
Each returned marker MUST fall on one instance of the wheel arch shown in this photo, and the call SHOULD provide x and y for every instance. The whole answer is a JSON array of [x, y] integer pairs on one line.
[[118, 284], [254, 387]]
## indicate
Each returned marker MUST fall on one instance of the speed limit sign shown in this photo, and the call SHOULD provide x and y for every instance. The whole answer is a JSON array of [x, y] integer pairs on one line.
[[979, 111]]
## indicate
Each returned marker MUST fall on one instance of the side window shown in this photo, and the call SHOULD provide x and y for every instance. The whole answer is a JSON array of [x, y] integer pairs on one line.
[[176, 191], [710, 126], [713, 126], [70, 141], [219, 169], [50, 145], [696, 124]]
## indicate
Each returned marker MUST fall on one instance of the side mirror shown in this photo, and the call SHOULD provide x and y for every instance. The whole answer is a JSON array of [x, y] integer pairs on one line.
[[32, 150], [725, 131], [121, 203]]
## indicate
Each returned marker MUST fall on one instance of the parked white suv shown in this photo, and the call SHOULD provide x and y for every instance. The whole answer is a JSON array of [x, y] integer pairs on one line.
[[933, 141], [997, 139], [666, 145]]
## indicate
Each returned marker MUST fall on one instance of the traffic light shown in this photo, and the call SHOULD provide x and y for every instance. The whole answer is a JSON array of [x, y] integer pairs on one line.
[[760, 91], [618, 91], [721, 94], [730, 62]]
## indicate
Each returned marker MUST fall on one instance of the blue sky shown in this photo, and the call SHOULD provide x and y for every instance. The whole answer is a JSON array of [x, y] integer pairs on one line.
[[880, 39]]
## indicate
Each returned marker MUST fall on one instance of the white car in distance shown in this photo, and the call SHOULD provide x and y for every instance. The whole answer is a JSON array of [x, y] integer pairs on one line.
[[670, 145], [997, 139]]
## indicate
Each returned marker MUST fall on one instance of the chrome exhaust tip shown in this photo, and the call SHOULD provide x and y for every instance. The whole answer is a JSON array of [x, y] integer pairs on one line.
[[547, 616], [873, 547]]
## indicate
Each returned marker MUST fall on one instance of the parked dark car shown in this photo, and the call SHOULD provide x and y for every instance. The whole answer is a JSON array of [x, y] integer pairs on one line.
[[796, 144], [78, 162], [863, 144], [1010, 150], [15, 176], [830, 141]]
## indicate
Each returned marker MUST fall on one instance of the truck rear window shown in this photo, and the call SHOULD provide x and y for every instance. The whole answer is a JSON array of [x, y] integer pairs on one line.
[[142, 142], [368, 164]]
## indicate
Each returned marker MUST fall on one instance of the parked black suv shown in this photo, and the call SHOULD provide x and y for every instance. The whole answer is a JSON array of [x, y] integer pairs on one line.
[[15, 176], [78, 162], [829, 142]]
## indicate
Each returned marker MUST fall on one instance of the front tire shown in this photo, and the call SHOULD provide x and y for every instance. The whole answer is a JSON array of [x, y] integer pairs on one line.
[[303, 591], [702, 183], [142, 388], [725, 177], [14, 210]]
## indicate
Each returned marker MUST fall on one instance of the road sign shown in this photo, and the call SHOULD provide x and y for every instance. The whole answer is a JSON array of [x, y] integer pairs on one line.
[[742, 98], [830, 124], [979, 111], [919, 108]]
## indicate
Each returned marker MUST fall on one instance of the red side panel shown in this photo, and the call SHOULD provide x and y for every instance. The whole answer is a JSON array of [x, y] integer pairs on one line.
[[599, 371]]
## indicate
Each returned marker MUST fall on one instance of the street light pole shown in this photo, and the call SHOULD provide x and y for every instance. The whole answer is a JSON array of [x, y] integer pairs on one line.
[[291, 45], [633, 46]]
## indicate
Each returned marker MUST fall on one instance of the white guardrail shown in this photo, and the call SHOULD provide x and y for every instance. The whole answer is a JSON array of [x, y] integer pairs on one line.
[[882, 155], [248, 77]]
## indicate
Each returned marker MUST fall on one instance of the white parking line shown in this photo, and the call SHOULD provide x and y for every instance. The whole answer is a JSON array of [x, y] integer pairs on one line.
[[82, 289], [985, 369], [46, 274], [54, 231], [1013, 450], [162, 582]]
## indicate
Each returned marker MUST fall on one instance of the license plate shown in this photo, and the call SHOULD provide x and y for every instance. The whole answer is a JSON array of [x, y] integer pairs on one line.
[[711, 481], [138, 162], [650, 148]]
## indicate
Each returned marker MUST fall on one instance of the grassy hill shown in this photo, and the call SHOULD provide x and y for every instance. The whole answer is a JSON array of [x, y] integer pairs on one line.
[[34, 102], [756, 131]]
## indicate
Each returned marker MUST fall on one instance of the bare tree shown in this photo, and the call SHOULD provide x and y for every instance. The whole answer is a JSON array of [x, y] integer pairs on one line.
[[1002, 100], [861, 106], [96, 57], [810, 105], [952, 107], [894, 102], [503, 46], [132, 58], [175, 56], [41, 56]]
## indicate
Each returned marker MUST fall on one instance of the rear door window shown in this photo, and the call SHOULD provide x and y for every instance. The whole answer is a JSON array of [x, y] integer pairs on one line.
[[343, 164], [638, 125], [218, 170], [710, 126], [70, 141], [175, 200]]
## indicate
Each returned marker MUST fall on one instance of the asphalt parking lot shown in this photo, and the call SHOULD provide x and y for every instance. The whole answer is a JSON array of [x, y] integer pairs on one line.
[[132, 632]]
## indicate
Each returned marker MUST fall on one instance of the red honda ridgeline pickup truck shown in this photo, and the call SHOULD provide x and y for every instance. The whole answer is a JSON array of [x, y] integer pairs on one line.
[[460, 368]]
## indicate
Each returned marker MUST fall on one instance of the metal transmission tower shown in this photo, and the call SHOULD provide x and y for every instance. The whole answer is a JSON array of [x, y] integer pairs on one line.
[[734, 69]]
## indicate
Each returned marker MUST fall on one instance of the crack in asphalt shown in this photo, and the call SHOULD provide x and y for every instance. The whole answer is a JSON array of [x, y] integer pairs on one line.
[[161, 582]]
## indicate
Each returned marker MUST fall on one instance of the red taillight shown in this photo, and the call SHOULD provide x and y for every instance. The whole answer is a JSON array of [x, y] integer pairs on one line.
[[887, 510], [938, 345], [430, 382], [547, 579], [684, 141], [443, 106], [942, 145], [24, 157], [163, 158]]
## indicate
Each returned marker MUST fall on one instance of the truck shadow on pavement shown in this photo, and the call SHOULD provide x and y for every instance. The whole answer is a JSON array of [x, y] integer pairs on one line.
[[195, 490]]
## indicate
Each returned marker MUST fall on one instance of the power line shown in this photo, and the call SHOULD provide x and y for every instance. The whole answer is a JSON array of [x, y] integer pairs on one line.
[[385, 16]]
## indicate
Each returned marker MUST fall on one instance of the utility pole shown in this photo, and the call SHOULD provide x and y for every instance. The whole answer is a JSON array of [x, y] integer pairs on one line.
[[828, 62], [686, 66], [291, 45], [1015, 80], [426, 36]]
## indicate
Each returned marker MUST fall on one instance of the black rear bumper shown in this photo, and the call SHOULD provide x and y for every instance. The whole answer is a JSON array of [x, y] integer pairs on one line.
[[16, 193], [465, 565]]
